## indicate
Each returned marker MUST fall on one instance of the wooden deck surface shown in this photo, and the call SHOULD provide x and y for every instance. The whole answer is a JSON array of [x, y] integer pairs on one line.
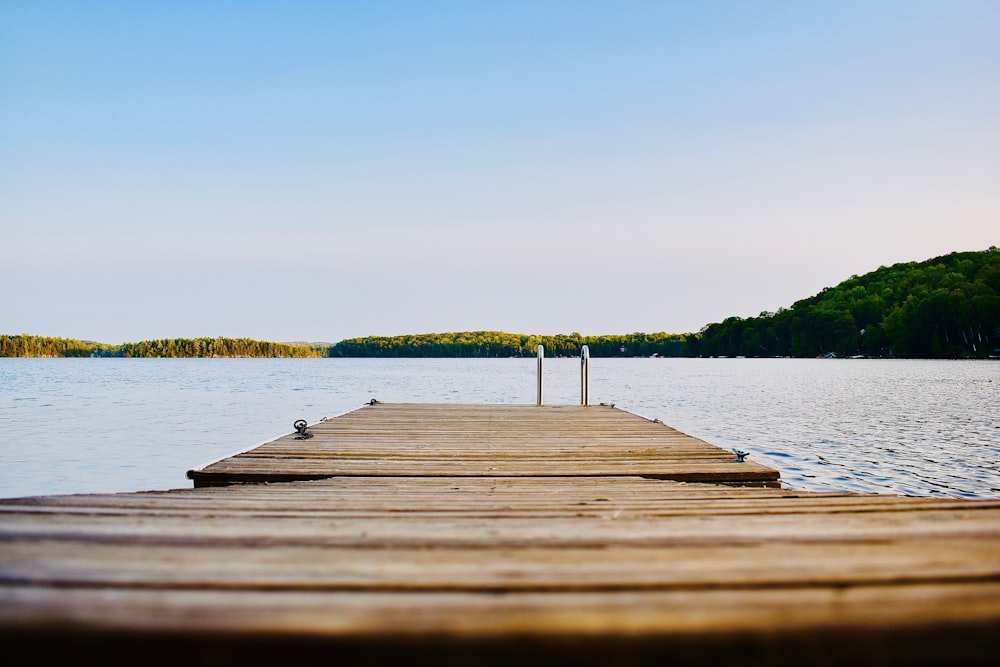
[[567, 568], [486, 440]]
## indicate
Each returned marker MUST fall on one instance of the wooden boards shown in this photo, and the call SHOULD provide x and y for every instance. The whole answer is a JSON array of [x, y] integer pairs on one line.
[[529, 568], [409, 550], [486, 440]]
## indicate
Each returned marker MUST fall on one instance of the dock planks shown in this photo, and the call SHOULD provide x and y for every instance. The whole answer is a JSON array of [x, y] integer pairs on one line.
[[486, 440], [477, 569]]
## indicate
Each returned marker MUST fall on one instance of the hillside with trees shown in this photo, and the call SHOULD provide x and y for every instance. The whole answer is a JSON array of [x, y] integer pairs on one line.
[[943, 308], [947, 307]]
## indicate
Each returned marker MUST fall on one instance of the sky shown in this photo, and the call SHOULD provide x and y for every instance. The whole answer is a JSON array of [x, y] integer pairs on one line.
[[315, 171]]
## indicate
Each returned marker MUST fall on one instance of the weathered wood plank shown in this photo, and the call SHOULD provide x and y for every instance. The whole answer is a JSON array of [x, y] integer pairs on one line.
[[257, 565], [582, 528], [502, 440], [715, 613], [887, 625]]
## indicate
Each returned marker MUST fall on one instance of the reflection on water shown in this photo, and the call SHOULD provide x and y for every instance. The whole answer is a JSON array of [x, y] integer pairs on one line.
[[904, 427]]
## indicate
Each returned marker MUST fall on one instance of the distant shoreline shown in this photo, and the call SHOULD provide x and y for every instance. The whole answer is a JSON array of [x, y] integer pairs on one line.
[[947, 307]]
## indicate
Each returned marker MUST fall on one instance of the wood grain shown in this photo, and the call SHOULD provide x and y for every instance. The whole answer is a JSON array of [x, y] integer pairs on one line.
[[404, 440], [567, 568]]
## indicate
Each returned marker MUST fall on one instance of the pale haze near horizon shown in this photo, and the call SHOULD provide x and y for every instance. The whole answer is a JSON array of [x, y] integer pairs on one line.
[[316, 171]]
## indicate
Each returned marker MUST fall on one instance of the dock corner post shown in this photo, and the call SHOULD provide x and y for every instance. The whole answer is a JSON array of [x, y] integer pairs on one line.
[[541, 359], [584, 375]]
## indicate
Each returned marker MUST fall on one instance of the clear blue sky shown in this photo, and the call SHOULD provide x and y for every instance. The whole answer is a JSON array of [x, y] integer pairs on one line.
[[323, 170]]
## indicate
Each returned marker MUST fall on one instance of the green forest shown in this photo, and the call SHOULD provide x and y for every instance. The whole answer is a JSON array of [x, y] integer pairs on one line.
[[499, 344], [943, 308], [38, 346]]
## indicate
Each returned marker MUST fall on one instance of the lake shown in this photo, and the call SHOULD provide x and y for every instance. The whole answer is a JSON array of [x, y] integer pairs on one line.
[[909, 427]]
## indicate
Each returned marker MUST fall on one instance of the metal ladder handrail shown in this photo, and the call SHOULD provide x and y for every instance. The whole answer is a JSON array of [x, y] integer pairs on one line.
[[541, 359], [584, 375]]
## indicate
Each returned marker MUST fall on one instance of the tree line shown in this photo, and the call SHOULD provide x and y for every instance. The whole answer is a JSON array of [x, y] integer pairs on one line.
[[946, 307], [501, 344], [37, 346], [42, 346], [459, 344]]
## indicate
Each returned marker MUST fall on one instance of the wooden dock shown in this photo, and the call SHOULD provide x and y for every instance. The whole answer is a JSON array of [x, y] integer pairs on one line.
[[419, 440], [498, 534]]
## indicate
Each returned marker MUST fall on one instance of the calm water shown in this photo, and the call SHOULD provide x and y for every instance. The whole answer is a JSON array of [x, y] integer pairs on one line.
[[923, 428]]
